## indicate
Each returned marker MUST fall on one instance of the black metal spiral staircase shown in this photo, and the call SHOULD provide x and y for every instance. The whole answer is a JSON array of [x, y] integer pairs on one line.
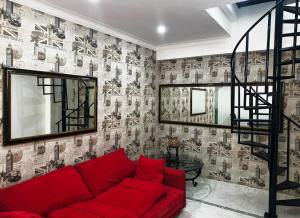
[[71, 117], [257, 111]]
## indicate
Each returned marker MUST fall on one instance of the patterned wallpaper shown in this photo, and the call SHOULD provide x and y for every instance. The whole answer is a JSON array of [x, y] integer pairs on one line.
[[128, 78], [176, 103], [224, 159], [126, 89]]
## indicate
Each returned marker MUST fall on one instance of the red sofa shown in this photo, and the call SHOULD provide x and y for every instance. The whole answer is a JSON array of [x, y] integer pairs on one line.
[[103, 187]]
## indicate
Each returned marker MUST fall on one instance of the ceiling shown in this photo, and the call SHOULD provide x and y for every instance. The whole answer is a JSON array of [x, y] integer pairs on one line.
[[186, 20]]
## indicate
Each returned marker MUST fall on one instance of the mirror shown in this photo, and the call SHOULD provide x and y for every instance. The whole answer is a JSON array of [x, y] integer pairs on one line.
[[200, 104], [41, 105], [198, 101]]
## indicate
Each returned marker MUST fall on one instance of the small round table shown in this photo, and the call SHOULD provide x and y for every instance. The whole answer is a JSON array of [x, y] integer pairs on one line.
[[191, 165]]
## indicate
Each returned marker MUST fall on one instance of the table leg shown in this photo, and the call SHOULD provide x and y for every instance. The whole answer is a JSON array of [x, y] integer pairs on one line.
[[198, 172]]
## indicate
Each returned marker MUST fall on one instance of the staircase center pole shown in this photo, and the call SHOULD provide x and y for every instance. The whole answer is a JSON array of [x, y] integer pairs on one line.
[[275, 112]]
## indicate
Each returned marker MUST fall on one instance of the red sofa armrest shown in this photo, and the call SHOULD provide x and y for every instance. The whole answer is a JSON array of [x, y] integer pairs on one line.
[[175, 178]]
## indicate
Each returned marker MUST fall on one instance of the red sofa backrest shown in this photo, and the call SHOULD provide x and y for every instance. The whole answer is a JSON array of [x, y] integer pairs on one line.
[[43, 194], [107, 171]]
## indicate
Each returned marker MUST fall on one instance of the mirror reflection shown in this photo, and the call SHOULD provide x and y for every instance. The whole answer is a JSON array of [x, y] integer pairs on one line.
[[198, 101], [199, 104], [42, 105]]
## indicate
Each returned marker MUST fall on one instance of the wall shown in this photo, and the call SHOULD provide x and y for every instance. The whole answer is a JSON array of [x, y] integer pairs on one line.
[[245, 18], [126, 76], [224, 159]]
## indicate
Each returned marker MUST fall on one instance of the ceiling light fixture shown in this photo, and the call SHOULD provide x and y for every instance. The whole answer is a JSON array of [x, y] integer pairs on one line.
[[94, 1], [161, 29]]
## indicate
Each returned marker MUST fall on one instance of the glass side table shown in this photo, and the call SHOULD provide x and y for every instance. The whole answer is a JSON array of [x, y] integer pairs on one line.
[[191, 165]]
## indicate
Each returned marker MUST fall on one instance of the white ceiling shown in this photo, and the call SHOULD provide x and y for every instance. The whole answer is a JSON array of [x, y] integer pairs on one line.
[[186, 20]]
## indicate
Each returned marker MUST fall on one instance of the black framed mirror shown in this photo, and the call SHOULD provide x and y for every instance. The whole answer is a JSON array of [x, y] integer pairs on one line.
[[176, 104], [39, 105]]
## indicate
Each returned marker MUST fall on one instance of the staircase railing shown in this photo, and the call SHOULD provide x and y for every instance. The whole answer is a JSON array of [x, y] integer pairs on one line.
[[234, 77], [73, 111], [257, 103]]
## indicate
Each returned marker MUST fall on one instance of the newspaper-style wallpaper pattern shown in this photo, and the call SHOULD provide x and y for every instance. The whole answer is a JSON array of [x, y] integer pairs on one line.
[[224, 159], [126, 89]]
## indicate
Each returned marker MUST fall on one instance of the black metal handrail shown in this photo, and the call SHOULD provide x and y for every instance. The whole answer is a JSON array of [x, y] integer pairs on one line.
[[233, 56], [72, 112], [256, 104], [235, 81], [248, 31], [291, 120]]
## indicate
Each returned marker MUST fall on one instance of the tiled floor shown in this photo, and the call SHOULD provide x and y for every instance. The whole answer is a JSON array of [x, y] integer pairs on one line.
[[214, 199]]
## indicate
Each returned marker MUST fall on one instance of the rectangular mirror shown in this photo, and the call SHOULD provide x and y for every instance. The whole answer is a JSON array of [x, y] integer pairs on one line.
[[39, 105], [198, 101], [200, 104]]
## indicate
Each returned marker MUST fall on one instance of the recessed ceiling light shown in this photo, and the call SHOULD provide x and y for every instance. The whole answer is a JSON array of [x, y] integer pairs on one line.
[[94, 1], [161, 29]]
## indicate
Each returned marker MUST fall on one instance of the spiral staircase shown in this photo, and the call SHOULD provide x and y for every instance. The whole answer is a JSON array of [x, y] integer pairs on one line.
[[257, 110]]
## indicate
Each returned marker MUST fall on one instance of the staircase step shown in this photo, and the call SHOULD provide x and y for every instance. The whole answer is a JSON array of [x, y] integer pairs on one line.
[[49, 85], [290, 61], [282, 77], [80, 125], [291, 21], [257, 107], [290, 48], [252, 107], [291, 9], [266, 114], [260, 93], [287, 185], [75, 117], [262, 155], [290, 202], [290, 34], [261, 124], [254, 144], [253, 132], [253, 120]]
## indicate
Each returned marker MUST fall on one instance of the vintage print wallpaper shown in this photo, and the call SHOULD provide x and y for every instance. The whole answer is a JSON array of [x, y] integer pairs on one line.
[[128, 78], [126, 89], [176, 103], [224, 159]]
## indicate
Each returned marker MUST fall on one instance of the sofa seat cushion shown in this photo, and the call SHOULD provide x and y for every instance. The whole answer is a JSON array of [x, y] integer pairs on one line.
[[133, 195], [45, 194], [107, 171], [91, 209], [18, 214], [168, 206]]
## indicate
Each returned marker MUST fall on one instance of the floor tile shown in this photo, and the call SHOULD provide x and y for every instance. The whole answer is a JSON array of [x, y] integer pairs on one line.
[[213, 199]]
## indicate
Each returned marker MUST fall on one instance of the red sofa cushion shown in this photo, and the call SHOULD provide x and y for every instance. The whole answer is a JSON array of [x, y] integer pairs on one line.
[[168, 206], [44, 194], [107, 171], [18, 214], [175, 178], [144, 186], [132, 196], [91, 209], [150, 169]]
